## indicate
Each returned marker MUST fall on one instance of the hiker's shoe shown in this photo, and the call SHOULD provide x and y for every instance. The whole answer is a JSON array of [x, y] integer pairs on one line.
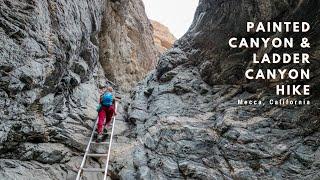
[[99, 138], [105, 130], [105, 136]]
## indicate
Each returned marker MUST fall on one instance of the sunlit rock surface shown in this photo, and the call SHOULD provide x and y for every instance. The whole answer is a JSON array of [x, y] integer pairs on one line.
[[127, 50], [162, 36]]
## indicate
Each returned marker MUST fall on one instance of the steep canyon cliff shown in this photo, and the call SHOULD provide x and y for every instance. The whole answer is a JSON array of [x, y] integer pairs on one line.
[[54, 56], [127, 50], [182, 121], [185, 119], [162, 36]]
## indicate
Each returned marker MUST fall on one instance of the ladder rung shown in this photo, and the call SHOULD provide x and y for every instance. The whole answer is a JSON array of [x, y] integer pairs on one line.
[[100, 143], [97, 155], [103, 133], [94, 137], [93, 169]]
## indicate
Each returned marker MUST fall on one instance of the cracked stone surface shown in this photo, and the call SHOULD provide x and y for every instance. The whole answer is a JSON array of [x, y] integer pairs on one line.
[[50, 74], [181, 122], [184, 118]]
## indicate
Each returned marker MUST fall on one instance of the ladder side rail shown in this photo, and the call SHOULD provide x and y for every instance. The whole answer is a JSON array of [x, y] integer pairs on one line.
[[109, 150], [87, 150]]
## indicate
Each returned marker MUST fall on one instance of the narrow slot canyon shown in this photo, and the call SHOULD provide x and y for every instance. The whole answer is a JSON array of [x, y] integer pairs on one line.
[[178, 117]]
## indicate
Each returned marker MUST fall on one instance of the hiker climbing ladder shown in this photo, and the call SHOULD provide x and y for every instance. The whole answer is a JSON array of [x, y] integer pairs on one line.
[[87, 154]]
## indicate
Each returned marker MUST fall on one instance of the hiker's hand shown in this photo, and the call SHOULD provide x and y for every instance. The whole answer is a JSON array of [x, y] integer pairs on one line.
[[115, 113]]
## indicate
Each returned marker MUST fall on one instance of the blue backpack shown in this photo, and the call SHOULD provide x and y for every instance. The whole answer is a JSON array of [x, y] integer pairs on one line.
[[107, 99]]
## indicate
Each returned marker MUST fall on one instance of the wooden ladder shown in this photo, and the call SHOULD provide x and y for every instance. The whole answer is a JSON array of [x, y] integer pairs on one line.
[[87, 153]]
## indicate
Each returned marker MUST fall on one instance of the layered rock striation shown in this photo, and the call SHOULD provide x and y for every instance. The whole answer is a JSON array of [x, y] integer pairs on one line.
[[162, 36], [49, 77], [53, 57], [186, 122], [127, 50], [181, 122]]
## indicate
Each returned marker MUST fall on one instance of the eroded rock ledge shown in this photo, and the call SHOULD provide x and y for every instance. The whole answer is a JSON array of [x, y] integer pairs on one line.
[[185, 117]]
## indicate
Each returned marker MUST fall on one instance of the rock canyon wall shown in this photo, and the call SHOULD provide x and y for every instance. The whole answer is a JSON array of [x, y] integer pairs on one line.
[[53, 57], [182, 121], [184, 116], [162, 36], [127, 50]]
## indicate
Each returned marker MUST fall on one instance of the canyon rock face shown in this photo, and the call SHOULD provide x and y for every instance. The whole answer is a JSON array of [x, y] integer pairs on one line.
[[162, 36], [127, 50], [181, 122], [185, 121], [50, 74]]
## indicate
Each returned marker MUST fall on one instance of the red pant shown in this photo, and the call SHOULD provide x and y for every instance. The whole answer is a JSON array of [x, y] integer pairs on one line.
[[105, 113]]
